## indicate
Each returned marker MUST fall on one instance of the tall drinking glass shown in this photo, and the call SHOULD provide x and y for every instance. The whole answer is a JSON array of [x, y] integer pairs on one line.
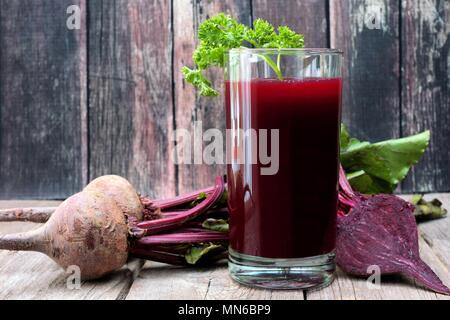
[[283, 118]]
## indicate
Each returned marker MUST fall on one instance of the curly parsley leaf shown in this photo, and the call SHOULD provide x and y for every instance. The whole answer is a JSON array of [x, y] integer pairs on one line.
[[286, 38], [199, 81], [221, 33], [262, 34]]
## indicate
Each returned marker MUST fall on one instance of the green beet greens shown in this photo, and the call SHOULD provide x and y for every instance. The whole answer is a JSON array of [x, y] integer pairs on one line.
[[379, 167]]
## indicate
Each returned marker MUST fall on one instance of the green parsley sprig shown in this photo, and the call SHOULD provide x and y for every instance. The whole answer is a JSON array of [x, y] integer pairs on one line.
[[221, 33]]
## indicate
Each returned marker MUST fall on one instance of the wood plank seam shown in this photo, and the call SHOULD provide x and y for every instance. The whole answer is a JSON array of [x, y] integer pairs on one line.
[[132, 276]]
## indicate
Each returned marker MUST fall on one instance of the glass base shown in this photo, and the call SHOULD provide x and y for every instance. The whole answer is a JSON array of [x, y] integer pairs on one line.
[[298, 273]]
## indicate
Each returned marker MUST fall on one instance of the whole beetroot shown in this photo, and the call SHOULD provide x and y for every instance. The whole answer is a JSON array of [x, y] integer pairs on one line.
[[380, 230], [115, 187], [87, 230], [121, 191], [96, 229]]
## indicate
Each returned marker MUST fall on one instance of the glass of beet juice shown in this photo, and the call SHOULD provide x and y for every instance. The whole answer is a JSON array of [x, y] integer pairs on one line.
[[283, 111]]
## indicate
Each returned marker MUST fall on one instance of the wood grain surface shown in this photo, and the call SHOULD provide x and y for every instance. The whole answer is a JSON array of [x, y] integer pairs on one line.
[[371, 98], [426, 88], [311, 18], [43, 143], [189, 107], [28, 275], [130, 90]]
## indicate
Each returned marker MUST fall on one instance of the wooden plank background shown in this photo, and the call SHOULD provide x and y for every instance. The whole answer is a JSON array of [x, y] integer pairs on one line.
[[43, 143], [106, 98]]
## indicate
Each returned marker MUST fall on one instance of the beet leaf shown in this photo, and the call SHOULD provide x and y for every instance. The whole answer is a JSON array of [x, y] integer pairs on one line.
[[378, 167], [427, 210]]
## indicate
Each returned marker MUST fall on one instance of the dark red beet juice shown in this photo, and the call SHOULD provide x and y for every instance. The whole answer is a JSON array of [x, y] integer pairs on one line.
[[291, 214]]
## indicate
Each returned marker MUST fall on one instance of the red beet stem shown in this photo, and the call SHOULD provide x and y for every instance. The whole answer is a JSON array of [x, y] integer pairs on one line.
[[182, 199], [346, 194], [346, 188], [219, 213], [191, 226], [159, 256], [181, 238], [171, 214], [163, 224], [177, 259]]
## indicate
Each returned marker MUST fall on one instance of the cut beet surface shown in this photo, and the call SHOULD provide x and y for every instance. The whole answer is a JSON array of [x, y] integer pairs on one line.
[[380, 230]]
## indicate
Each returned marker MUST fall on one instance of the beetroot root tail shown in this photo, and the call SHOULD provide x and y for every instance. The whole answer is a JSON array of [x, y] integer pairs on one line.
[[424, 275], [27, 241], [38, 215]]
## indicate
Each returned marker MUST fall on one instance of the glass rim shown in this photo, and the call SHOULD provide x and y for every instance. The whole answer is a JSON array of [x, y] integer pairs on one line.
[[312, 51]]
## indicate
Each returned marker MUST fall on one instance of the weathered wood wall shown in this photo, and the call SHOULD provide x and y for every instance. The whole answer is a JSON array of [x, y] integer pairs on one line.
[[43, 107], [106, 98]]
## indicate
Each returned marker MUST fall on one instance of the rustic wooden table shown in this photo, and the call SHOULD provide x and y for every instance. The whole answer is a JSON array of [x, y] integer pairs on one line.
[[29, 275]]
